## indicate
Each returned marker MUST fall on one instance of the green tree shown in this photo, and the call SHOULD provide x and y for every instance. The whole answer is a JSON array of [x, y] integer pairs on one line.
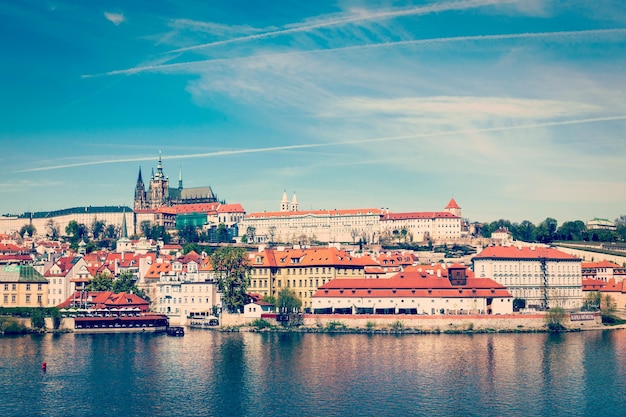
[[37, 319], [76, 231], [620, 224], [27, 229], [268, 298], [111, 232], [555, 318], [288, 302], [546, 231], [126, 282], [572, 230], [250, 234], [233, 276], [525, 231], [591, 301], [52, 230], [97, 229], [101, 282], [55, 314]]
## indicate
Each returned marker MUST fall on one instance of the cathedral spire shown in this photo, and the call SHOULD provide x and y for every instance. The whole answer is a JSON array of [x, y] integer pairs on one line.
[[180, 178]]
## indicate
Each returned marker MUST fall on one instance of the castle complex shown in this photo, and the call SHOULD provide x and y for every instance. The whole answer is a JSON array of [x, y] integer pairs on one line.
[[160, 194]]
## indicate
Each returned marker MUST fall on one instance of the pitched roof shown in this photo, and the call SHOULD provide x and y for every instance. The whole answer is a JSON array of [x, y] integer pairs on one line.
[[452, 204], [21, 273], [315, 213], [420, 215], [411, 284], [529, 253]]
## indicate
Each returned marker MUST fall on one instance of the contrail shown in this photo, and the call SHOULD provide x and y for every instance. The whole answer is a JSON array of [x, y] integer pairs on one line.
[[458, 5], [416, 42], [327, 145]]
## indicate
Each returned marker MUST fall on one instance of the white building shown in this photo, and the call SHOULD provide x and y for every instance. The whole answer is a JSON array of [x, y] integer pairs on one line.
[[59, 219], [544, 277], [289, 225], [600, 224]]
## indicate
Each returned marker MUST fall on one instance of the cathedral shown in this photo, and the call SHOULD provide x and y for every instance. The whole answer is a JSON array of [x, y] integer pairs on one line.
[[160, 194]]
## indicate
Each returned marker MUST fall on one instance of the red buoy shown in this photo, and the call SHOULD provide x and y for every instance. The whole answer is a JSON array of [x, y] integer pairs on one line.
[[44, 366]]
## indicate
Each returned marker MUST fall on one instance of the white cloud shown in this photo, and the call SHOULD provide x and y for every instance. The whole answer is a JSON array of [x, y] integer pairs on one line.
[[115, 18]]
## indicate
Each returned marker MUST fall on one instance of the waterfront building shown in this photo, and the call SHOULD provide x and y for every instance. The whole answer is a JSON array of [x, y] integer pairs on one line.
[[304, 270], [182, 287], [22, 286], [94, 300], [603, 271], [417, 290], [63, 277], [544, 277]]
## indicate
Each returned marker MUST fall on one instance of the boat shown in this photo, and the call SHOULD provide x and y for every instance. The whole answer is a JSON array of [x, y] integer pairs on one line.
[[175, 331], [123, 323]]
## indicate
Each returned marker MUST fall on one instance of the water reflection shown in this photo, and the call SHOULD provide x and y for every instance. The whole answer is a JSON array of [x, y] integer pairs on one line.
[[210, 373]]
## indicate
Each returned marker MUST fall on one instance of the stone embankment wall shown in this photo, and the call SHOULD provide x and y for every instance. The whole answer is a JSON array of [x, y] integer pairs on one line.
[[426, 323]]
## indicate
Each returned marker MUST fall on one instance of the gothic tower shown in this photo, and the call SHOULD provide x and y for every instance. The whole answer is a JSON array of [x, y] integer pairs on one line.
[[159, 187], [140, 193]]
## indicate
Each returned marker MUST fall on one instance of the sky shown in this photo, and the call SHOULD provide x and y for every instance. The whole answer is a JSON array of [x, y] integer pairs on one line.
[[516, 109]]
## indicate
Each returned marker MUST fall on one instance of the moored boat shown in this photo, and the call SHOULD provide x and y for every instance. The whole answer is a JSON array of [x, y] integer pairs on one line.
[[135, 323]]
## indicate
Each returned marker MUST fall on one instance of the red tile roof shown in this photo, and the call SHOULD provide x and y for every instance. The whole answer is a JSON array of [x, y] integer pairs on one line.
[[514, 252], [420, 215], [411, 284], [331, 213], [452, 204], [230, 208]]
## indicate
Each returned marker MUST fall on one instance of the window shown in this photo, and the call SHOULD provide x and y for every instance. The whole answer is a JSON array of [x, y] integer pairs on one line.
[[6, 287], [39, 287], [12, 298], [13, 287], [28, 298]]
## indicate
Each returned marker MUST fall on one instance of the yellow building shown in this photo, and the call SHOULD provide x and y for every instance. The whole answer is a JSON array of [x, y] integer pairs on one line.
[[22, 286], [302, 270]]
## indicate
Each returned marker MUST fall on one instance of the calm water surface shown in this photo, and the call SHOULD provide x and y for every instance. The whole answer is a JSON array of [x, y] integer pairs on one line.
[[207, 373]]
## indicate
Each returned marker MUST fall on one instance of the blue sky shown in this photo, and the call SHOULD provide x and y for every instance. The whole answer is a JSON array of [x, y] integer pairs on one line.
[[517, 109]]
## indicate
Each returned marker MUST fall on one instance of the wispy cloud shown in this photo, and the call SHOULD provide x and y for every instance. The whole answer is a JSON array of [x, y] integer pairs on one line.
[[115, 18], [199, 65], [332, 144], [352, 18]]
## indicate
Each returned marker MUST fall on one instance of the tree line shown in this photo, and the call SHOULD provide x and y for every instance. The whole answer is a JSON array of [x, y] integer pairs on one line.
[[549, 231]]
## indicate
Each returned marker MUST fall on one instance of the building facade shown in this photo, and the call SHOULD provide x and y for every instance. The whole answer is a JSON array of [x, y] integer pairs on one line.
[[415, 291], [22, 286], [160, 194], [544, 277]]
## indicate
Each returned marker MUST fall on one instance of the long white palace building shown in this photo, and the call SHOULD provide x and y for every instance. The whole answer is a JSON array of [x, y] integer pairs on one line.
[[369, 225]]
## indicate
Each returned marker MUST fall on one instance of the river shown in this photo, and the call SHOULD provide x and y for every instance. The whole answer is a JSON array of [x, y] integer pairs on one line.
[[208, 373]]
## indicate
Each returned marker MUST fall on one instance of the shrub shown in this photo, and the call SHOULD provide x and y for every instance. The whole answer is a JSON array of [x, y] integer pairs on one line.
[[12, 327], [335, 325], [370, 325], [37, 319], [555, 318], [397, 326], [261, 324]]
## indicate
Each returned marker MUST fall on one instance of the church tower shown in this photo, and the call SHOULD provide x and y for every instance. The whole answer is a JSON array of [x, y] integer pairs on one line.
[[140, 194], [159, 187], [284, 203], [453, 208], [294, 202]]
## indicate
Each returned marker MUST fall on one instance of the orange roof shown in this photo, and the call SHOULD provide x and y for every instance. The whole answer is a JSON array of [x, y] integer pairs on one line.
[[420, 215], [601, 264], [411, 284], [331, 213], [452, 204], [294, 258], [230, 208], [514, 252]]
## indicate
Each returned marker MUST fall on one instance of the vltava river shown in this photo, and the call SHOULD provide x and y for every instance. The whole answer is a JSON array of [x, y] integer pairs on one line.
[[207, 373]]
